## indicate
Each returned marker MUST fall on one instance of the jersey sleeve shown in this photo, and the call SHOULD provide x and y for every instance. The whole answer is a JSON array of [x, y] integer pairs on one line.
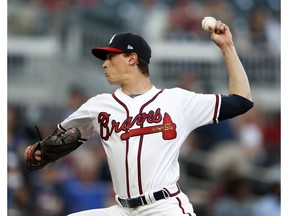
[[200, 109], [81, 119]]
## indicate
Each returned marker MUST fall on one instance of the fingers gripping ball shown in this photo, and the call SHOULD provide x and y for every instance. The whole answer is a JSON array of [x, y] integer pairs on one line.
[[53, 147], [209, 22]]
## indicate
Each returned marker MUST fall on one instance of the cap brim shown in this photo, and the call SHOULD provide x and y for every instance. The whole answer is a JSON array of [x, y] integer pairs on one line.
[[101, 52]]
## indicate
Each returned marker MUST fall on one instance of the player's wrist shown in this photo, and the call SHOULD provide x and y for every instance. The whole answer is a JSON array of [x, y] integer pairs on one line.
[[227, 46], [25, 153], [28, 152], [228, 49]]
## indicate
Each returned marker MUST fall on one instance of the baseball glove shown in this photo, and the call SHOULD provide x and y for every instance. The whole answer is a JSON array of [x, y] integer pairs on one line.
[[52, 148]]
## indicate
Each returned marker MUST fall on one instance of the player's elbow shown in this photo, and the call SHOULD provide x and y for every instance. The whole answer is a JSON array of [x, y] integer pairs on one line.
[[248, 96]]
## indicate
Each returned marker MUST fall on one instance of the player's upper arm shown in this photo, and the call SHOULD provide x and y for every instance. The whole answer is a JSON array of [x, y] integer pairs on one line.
[[198, 109], [81, 119], [233, 105]]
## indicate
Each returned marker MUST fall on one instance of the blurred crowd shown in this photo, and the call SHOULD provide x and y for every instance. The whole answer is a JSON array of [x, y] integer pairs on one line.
[[253, 22], [239, 158], [78, 181]]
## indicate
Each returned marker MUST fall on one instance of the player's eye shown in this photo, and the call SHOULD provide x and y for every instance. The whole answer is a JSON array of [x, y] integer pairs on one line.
[[109, 56]]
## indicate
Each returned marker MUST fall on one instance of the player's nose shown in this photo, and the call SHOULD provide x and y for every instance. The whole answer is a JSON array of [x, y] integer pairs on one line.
[[104, 65]]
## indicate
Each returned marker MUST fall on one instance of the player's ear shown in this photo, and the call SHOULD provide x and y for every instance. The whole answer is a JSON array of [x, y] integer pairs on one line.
[[133, 58]]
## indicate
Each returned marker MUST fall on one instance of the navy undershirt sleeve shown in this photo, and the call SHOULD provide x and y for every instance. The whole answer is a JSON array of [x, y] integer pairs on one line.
[[233, 105]]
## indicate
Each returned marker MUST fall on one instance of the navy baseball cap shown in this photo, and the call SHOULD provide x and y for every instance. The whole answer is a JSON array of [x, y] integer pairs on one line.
[[125, 42]]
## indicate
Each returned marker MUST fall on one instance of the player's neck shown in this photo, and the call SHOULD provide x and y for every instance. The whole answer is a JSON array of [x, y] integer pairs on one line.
[[137, 87]]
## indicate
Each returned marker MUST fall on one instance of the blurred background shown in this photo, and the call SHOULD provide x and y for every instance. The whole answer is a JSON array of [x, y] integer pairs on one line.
[[228, 169]]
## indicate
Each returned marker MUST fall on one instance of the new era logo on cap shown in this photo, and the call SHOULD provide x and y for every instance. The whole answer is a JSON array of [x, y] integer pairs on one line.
[[125, 42]]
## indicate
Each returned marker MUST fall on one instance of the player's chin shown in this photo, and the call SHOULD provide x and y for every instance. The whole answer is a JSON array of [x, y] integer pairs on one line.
[[108, 78], [110, 81]]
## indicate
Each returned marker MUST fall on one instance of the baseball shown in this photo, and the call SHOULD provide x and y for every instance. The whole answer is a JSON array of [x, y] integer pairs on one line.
[[208, 22]]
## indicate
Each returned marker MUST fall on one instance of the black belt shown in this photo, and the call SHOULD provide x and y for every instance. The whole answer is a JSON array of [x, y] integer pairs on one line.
[[141, 200]]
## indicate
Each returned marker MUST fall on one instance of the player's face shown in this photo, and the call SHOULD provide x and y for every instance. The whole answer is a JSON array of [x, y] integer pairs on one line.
[[116, 68]]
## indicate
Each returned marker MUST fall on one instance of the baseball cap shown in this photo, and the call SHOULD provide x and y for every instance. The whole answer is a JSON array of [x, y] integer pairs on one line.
[[125, 42]]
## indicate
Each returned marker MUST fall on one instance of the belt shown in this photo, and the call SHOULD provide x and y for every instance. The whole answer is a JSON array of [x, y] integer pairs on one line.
[[141, 200]]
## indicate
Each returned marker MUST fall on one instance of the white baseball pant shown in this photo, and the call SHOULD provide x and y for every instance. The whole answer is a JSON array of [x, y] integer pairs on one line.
[[176, 206]]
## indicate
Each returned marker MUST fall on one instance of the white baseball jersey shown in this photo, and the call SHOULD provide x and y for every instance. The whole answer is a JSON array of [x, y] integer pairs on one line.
[[142, 135]]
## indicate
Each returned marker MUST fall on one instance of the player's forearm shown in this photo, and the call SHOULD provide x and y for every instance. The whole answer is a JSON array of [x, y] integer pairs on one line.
[[238, 80]]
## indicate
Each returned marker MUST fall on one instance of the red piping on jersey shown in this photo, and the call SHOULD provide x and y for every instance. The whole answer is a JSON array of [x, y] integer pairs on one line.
[[127, 170], [61, 128], [139, 165], [216, 109], [141, 143], [173, 194], [180, 205], [127, 146]]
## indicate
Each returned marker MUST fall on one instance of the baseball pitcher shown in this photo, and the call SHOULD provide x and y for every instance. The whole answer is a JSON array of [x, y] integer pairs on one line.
[[143, 127]]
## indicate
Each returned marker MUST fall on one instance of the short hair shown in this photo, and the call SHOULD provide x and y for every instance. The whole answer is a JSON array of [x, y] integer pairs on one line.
[[143, 65]]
